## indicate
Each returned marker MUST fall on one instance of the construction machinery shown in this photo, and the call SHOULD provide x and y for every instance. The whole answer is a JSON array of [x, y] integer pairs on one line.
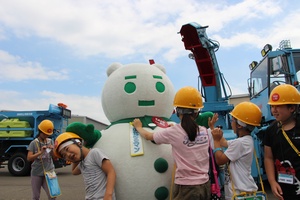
[[214, 87], [280, 66], [19, 128]]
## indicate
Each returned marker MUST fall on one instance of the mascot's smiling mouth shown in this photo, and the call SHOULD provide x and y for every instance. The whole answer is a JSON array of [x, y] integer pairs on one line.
[[147, 103]]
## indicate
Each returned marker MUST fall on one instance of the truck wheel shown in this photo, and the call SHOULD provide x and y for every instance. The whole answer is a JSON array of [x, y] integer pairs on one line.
[[18, 165]]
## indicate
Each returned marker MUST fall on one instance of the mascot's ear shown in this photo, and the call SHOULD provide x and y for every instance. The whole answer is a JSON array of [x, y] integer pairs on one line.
[[89, 128], [86, 132], [162, 68], [92, 136], [113, 67]]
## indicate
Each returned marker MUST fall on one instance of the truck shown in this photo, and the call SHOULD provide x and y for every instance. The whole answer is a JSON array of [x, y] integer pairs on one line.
[[214, 86], [19, 128], [279, 66]]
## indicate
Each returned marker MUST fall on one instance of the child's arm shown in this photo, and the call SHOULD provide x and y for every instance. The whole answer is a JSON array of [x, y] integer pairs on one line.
[[109, 170], [223, 142], [219, 141], [139, 127], [75, 170], [212, 121], [32, 156], [270, 170]]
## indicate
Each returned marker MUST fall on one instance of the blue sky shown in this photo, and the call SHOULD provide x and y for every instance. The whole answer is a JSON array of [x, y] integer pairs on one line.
[[55, 51]]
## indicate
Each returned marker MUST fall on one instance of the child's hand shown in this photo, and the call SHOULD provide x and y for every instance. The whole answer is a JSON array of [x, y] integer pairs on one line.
[[43, 150], [137, 123], [68, 162], [213, 120], [217, 134]]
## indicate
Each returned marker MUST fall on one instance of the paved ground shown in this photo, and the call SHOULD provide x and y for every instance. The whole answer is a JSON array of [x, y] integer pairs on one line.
[[18, 188]]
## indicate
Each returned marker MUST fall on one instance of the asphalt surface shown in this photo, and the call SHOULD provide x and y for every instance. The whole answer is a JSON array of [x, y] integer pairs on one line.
[[18, 188]]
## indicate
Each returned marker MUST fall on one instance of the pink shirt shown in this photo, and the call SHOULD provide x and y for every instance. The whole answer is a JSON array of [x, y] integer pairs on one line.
[[191, 157]]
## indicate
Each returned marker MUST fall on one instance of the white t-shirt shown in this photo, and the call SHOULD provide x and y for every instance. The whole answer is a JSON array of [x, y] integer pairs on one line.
[[240, 154]]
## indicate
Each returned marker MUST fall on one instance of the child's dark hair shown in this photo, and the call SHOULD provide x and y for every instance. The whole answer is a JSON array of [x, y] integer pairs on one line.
[[188, 122], [39, 133]]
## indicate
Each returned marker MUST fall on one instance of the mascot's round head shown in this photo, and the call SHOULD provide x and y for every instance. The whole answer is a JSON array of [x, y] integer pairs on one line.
[[136, 90]]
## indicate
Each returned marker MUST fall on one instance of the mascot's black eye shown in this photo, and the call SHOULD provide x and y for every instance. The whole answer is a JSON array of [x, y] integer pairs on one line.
[[160, 87], [130, 87]]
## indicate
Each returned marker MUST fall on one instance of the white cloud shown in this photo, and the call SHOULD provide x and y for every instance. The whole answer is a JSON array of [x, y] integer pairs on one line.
[[79, 105], [128, 31], [13, 68], [287, 28], [105, 27]]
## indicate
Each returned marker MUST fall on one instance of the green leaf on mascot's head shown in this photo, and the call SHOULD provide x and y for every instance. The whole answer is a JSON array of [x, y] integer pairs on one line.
[[86, 132], [202, 118]]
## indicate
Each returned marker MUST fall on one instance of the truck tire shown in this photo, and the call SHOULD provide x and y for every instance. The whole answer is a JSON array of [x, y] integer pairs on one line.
[[18, 165]]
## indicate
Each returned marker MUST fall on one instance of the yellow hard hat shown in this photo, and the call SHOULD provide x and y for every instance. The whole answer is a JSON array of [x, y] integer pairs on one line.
[[61, 139], [46, 126], [188, 97], [248, 113], [284, 94]]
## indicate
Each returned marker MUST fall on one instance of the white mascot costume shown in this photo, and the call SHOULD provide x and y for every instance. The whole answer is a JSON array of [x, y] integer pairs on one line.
[[144, 170]]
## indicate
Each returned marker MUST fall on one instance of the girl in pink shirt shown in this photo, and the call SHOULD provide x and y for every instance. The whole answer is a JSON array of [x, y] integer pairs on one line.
[[190, 145]]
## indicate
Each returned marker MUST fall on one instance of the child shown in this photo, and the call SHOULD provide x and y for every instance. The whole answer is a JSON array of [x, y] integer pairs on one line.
[[282, 143], [97, 170], [245, 116], [190, 144], [40, 152]]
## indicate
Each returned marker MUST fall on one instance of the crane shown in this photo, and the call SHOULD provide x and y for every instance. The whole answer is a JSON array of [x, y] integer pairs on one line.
[[213, 88]]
